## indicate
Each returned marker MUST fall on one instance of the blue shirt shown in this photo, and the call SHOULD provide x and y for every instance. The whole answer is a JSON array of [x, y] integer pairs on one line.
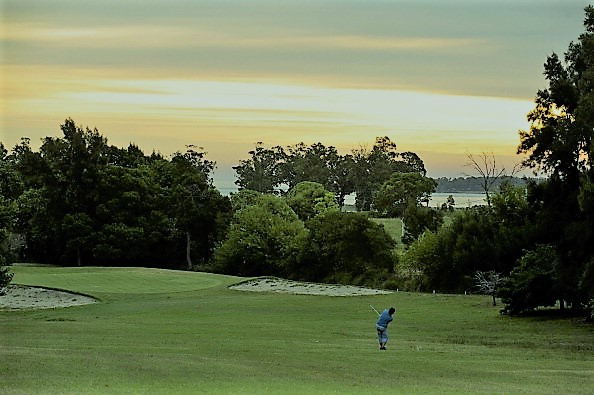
[[384, 319]]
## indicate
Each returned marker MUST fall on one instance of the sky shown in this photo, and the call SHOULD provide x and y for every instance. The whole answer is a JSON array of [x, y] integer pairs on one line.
[[440, 78]]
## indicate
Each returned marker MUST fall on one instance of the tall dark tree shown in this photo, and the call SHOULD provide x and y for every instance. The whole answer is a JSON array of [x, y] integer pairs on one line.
[[264, 238], [85, 202], [61, 180], [346, 247], [263, 171], [197, 205], [559, 142], [308, 163], [341, 180], [321, 164], [372, 168], [11, 188], [401, 191]]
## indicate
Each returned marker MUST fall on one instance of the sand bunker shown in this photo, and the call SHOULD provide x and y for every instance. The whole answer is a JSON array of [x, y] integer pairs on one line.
[[278, 285], [23, 297]]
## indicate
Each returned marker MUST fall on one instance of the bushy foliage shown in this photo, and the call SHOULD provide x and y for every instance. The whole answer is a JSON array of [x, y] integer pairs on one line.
[[346, 247], [559, 142], [402, 192], [5, 278], [85, 202], [424, 263], [11, 188], [309, 199], [265, 238], [418, 220], [533, 282], [478, 239]]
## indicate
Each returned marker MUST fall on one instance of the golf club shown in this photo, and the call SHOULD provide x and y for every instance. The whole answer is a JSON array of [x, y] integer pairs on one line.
[[377, 312]]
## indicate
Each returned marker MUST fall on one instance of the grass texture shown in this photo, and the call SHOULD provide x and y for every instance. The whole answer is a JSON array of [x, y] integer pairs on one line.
[[166, 332]]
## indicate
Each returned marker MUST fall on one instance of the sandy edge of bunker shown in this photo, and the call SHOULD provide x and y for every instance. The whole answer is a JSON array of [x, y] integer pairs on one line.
[[278, 285], [18, 297]]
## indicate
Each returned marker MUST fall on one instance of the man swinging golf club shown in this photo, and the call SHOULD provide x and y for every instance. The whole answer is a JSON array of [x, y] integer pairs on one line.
[[382, 325]]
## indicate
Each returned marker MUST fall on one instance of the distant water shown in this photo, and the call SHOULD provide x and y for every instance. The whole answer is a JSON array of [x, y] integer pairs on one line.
[[461, 200]]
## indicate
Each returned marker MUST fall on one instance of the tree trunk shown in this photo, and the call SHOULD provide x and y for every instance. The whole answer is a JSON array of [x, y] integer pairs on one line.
[[188, 258], [494, 302], [78, 256]]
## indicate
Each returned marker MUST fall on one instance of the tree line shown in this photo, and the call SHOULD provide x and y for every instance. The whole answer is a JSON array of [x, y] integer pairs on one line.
[[81, 201], [536, 241], [363, 171]]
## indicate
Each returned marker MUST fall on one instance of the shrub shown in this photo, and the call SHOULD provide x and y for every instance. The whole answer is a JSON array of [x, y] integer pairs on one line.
[[346, 247], [532, 283], [264, 239], [5, 278]]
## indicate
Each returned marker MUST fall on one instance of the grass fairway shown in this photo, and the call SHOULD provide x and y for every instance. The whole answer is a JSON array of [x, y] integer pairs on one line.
[[163, 332]]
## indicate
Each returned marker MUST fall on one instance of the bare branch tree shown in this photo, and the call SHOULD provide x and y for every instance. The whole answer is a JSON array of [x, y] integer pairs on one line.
[[486, 166], [488, 283]]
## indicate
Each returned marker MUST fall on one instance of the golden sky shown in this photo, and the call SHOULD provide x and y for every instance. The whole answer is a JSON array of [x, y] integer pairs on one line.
[[439, 78]]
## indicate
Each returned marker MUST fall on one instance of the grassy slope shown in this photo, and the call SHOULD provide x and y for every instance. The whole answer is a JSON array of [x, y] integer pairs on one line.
[[187, 333], [393, 227]]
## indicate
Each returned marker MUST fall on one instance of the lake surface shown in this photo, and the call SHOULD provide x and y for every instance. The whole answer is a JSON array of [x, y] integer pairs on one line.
[[461, 200]]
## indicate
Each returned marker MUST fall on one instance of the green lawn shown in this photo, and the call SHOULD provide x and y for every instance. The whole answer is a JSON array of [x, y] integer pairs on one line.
[[164, 332], [393, 227]]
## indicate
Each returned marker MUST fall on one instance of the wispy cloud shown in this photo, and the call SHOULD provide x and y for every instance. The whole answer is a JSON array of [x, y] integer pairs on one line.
[[171, 36]]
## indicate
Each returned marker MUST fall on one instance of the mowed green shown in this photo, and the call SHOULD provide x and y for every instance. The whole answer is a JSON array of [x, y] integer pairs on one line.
[[164, 332]]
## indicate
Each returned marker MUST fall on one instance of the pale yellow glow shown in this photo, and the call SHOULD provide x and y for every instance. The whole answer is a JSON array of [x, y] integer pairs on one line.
[[192, 36], [167, 114]]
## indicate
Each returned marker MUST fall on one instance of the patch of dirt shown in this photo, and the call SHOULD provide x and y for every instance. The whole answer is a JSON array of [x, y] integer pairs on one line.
[[278, 285], [18, 297]]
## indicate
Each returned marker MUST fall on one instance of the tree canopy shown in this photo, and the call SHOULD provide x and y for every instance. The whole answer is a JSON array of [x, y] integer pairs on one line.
[[84, 202]]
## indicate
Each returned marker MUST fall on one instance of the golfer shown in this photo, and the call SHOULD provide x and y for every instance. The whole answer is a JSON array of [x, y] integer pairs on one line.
[[382, 326]]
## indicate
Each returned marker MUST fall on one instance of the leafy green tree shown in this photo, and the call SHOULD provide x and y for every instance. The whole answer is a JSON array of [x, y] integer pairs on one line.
[[5, 278], [78, 229], [7, 215], [402, 196], [263, 172], [321, 164], [478, 239], [341, 181], [559, 143], [449, 204], [308, 199], [308, 163], [198, 208], [244, 198], [85, 202], [263, 239], [11, 187], [411, 162], [426, 265], [346, 247], [123, 226], [417, 220], [402, 191], [372, 168], [532, 283], [65, 172]]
